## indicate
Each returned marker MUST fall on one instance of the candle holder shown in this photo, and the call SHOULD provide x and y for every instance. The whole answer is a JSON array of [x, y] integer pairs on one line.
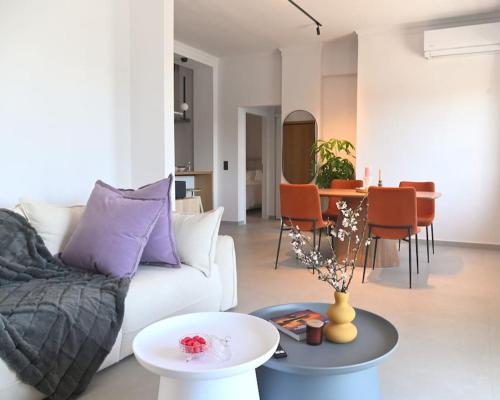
[[314, 332]]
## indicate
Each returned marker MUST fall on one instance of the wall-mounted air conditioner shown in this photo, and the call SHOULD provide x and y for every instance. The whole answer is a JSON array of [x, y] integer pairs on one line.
[[483, 38]]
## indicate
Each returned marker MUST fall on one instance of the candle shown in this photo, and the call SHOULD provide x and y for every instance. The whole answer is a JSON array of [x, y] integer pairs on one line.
[[368, 172], [314, 332]]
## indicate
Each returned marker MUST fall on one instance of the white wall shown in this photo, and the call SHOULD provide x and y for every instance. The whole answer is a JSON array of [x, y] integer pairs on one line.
[[63, 98], [339, 88], [203, 115], [245, 81], [184, 131], [340, 56], [67, 72], [301, 80], [338, 107], [300, 90], [434, 120], [254, 80], [152, 90]]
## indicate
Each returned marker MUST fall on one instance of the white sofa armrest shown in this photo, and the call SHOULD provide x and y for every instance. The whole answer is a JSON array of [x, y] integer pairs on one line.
[[225, 258]]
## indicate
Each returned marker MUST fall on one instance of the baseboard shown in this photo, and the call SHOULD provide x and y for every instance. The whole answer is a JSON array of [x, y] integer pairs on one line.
[[233, 222], [450, 243]]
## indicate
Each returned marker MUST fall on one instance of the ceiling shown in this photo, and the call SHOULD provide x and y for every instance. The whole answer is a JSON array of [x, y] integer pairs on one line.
[[232, 27]]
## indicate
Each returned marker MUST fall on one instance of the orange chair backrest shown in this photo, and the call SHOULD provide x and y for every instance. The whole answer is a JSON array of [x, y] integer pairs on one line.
[[300, 202], [426, 208], [341, 184], [392, 207], [346, 183]]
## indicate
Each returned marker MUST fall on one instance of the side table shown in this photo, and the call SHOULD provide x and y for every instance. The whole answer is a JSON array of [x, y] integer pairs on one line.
[[253, 342], [329, 371]]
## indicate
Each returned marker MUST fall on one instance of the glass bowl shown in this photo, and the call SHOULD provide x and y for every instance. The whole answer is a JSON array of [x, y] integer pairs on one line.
[[194, 345]]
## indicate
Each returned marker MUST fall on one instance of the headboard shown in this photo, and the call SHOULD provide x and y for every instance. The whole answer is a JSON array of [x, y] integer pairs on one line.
[[254, 164]]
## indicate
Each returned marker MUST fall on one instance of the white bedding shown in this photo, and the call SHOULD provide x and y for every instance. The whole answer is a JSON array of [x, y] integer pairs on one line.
[[254, 195], [254, 189]]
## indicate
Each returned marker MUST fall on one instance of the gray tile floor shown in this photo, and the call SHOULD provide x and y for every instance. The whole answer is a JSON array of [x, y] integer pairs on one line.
[[449, 323]]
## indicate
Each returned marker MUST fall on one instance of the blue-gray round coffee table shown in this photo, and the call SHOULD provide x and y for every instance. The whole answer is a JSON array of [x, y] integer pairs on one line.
[[329, 371]]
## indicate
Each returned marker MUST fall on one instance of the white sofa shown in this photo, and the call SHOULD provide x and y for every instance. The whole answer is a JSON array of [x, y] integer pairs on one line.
[[156, 293]]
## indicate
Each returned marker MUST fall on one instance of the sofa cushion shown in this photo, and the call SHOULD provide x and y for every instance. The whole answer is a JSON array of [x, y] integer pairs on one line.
[[112, 232], [160, 248], [54, 224], [156, 293], [196, 238]]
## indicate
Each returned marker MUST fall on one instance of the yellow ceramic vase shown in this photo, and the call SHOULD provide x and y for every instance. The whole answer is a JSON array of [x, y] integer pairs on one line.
[[340, 329]]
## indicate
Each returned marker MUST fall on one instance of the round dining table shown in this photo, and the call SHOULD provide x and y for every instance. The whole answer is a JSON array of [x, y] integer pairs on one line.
[[387, 251]]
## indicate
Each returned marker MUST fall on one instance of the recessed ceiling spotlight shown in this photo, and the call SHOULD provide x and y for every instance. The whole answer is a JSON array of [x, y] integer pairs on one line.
[[318, 24]]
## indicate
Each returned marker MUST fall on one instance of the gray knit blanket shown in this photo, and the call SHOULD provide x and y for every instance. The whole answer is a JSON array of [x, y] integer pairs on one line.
[[57, 323]]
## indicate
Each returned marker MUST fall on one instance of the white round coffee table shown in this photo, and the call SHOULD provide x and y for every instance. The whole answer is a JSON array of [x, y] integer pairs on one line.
[[253, 342]]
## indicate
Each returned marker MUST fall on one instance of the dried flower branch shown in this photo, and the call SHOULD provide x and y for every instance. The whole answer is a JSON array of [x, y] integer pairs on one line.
[[337, 273]]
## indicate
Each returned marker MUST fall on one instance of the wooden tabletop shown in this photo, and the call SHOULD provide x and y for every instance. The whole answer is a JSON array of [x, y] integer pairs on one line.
[[193, 173], [353, 193]]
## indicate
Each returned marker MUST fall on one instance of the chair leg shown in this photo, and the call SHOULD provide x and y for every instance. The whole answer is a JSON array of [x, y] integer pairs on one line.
[[427, 241], [399, 245], [279, 245], [314, 237], [416, 250], [375, 254], [319, 239], [366, 254], [432, 235], [409, 254]]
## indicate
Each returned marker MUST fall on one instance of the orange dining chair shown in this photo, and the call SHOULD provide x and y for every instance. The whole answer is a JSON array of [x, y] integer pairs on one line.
[[332, 211], [426, 209], [301, 206], [392, 214]]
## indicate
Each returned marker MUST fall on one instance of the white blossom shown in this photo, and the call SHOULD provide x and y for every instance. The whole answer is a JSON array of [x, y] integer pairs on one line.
[[337, 274]]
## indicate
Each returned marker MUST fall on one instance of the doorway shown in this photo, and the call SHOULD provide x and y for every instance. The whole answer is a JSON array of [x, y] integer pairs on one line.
[[259, 172], [254, 165]]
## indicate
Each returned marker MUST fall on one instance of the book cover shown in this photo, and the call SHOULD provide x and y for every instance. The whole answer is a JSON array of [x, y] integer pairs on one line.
[[294, 324]]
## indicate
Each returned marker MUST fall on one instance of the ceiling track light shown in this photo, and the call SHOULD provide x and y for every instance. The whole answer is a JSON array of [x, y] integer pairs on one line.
[[318, 24]]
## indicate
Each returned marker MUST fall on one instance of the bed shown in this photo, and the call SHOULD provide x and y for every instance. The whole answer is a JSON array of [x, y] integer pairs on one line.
[[254, 189]]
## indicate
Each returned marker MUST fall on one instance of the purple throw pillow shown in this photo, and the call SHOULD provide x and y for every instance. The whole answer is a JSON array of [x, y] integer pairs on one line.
[[161, 248], [112, 232]]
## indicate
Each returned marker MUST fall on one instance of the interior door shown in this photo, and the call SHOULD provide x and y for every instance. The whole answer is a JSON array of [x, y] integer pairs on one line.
[[298, 162]]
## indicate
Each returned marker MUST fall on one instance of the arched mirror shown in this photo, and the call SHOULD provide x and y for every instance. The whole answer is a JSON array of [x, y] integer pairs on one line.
[[299, 135]]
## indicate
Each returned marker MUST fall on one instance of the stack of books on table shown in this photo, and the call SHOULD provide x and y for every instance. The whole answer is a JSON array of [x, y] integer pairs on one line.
[[294, 324]]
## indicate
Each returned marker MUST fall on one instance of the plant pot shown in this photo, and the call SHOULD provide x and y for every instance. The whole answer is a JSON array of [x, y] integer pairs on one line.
[[340, 329]]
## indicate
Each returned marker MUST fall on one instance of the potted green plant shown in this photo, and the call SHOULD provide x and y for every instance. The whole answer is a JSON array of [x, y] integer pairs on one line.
[[333, 160]]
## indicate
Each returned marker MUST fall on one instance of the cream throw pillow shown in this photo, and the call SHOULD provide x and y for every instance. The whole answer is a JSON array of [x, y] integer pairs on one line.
[[55, 224], [196, 238]]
